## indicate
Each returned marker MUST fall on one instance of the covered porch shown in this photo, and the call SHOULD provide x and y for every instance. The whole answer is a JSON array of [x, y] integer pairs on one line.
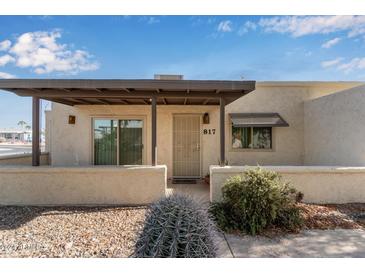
[[94, 183], [130, 93]]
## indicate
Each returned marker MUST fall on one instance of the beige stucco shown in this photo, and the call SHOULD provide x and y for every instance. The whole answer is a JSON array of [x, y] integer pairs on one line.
[[91, 185], [287, 141], [320, 184], [306, 106], [71, 145], [23, 159], [335, 128]]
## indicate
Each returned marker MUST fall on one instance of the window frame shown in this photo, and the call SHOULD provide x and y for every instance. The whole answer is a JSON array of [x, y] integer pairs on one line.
[[118, 118], [272, 149]]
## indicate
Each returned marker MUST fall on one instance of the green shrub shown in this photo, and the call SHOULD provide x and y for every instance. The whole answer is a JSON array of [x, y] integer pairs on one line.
[[255, 200], [176, 227]]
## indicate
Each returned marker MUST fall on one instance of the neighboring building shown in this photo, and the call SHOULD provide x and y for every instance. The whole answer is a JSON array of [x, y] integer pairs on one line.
[[15, 135]]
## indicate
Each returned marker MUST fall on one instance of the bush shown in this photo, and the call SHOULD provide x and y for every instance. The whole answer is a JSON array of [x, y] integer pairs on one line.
[[176, 227], [255, 200]]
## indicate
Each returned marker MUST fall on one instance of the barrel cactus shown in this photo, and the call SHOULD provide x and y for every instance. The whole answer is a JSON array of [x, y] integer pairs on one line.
[[176, 227]]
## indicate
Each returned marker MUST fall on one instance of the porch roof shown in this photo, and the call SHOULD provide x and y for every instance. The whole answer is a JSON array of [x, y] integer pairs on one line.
[[129, 92]]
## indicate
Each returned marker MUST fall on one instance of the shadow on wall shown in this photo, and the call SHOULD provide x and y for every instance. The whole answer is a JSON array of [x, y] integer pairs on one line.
[[12, 217]]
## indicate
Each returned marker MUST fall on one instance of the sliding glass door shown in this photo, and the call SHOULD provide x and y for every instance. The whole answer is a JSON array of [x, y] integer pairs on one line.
[[130, 142], [118, 142], [105, 142]]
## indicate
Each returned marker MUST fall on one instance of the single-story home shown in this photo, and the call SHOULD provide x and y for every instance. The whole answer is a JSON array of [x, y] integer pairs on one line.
[[196, 127]]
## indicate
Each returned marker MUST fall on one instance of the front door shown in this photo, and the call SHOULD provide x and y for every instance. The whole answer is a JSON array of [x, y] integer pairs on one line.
[[186, 146]]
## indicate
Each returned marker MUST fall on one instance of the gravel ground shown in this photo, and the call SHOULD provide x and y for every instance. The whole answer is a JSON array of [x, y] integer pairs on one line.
[[69, 231]]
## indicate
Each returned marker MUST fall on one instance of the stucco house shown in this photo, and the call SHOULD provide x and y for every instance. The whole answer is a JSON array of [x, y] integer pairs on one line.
[[279, 123], [192, 128]]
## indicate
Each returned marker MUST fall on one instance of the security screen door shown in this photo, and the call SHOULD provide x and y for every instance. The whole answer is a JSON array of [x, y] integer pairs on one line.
[[118, 142], [186, 146]]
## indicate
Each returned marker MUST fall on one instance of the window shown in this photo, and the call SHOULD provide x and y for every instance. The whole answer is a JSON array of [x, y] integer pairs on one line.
[[251, 137], [118, 142]]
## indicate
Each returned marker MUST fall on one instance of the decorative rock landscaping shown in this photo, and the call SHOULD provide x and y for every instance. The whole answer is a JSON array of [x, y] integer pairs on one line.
[[69, 231]]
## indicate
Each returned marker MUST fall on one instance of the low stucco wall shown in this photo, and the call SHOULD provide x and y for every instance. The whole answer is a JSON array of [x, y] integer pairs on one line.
[[23, 159], [127, 185], [320, 184]]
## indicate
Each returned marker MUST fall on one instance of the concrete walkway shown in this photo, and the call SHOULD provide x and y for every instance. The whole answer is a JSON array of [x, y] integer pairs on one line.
[[199, 191], [310, 243]]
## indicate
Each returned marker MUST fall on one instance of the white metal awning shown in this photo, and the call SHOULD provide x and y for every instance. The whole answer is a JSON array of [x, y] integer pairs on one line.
[[258, 120]]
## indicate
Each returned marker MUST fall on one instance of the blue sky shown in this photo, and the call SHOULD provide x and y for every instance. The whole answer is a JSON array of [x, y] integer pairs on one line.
[[200, 47]]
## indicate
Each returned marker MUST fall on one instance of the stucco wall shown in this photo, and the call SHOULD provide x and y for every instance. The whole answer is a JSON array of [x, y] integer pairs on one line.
[[71, 145], [81, 185], [335, 129], [319, 184], [23, 159], [288, 143], [306, 106]]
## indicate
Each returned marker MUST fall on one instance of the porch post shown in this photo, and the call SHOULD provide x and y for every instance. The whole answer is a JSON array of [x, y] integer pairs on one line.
[[222, 104], [154, 136], [35, 132]]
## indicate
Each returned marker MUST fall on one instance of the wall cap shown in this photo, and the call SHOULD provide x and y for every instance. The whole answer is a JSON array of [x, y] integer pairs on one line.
[[81, 169], [16, 156], [289, 169]]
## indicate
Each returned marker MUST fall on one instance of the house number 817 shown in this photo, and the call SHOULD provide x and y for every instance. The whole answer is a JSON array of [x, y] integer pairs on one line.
[[209, 131]]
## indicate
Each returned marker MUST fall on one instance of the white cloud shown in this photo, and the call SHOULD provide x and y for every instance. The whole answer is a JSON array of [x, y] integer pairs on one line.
[[331, 63], [304, 25], [246, 27], [5, 75], [331, 43], [5, 45], [355, 64], [201, 20], [308, 53], [5, 59], [225, 26], [153, 20], [42, 52], [149, 19]]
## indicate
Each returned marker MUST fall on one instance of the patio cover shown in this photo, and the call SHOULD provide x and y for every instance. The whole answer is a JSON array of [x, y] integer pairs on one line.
[[124, 92], [128, 92]]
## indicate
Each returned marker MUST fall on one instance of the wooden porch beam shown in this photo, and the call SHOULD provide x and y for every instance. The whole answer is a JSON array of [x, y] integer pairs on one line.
[[222, 105], [153, 131], [36, 154], [136, 94], [103, 101], [206, 101]]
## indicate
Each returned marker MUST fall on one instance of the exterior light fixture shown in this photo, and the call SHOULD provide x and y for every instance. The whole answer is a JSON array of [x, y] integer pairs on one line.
[[72, 119], [206, 118]]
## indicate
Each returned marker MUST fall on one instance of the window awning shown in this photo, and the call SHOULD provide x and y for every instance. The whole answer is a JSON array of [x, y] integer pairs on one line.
[[258, 120]]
